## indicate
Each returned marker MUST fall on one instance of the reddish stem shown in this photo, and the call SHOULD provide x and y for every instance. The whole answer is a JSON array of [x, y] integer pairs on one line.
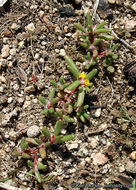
[[35, 163]]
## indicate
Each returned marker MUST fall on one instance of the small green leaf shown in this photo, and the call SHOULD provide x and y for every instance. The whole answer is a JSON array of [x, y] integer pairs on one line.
[[102, 30], [106, 37], [38, 176], [47, 144], [133, 185], [90, 85], [69, 119], [61, 80], [42, 100], [73, 85], [80, 98], [86, 107], [88, 55], [51, 110], [80, 27], [41, 166], [53, 83], [66, 138], [39, 142], [42, 153], [16, 153], [53, 101], [24, 144], [82, 118], [87, 116], [46, 132], [85, 45], [52, 93], [114, 47], [58, 127], [72, 67], [88, 19], [64, 86], [30, 163], [91, 74], [110, 69], [31, 141], [26, 156], [97, 42], [101, 25], [45, 112], [30, 172]]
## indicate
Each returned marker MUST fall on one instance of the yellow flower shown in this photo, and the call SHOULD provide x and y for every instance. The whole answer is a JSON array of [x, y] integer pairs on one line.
[[82, 75], [86, 82]]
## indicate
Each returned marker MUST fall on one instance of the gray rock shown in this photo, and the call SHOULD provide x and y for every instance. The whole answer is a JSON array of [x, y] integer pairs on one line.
[[33, 131], [131, 167]]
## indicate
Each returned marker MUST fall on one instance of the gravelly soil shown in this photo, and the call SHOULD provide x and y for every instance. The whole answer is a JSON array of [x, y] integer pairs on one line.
[[25, 73]]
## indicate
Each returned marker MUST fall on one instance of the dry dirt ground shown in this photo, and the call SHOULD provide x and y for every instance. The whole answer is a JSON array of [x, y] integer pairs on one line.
[[26, 68]]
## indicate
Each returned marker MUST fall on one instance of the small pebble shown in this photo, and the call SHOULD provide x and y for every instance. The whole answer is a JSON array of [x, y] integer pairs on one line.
[[62, 52], [10, 99], [15, 26], [30, 28], [133, 155], [41, 13], [98, 112], [5, 51], [29, 89], [33, 131], [133, 7], [66, 11], [112, 1]]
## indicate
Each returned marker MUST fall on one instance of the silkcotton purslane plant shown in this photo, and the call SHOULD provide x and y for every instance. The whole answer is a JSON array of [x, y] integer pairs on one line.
[[97, 43], [66, 100]]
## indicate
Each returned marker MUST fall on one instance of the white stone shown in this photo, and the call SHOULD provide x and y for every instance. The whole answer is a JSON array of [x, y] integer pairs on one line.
[[5, 51], [98, 112], [72, 146], [21, 44], [1, 88], [36, 55], [121, 168], [62, 52], [134, 7], [41, 60], [3, 79], [41, 13], [78, 1], [30, 28], [26, 104], [13, 51], [2, 2], [111, 1], [15, 26], [10, 99], [33, 131], [103, 126]]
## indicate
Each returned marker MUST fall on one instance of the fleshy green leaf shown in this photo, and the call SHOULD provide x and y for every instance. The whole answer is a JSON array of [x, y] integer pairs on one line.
[[82, 118], [66, 138], [38, 176], [80, 27], [97, 42], [88, 19], [87, 116], [61, 80], [30, 163], [102, 30], [42, 153], [90, 75], [73, 85], [106, 37], [80, 98], [26, 156], [44, 112], [52, 93], [72, 67], [42, 100], [58, 127], [24, 144], [101, 25], [46, 132], [85, 45], [41, 166], [110, 69], [53, 83], [68, 119], [31, 141]]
